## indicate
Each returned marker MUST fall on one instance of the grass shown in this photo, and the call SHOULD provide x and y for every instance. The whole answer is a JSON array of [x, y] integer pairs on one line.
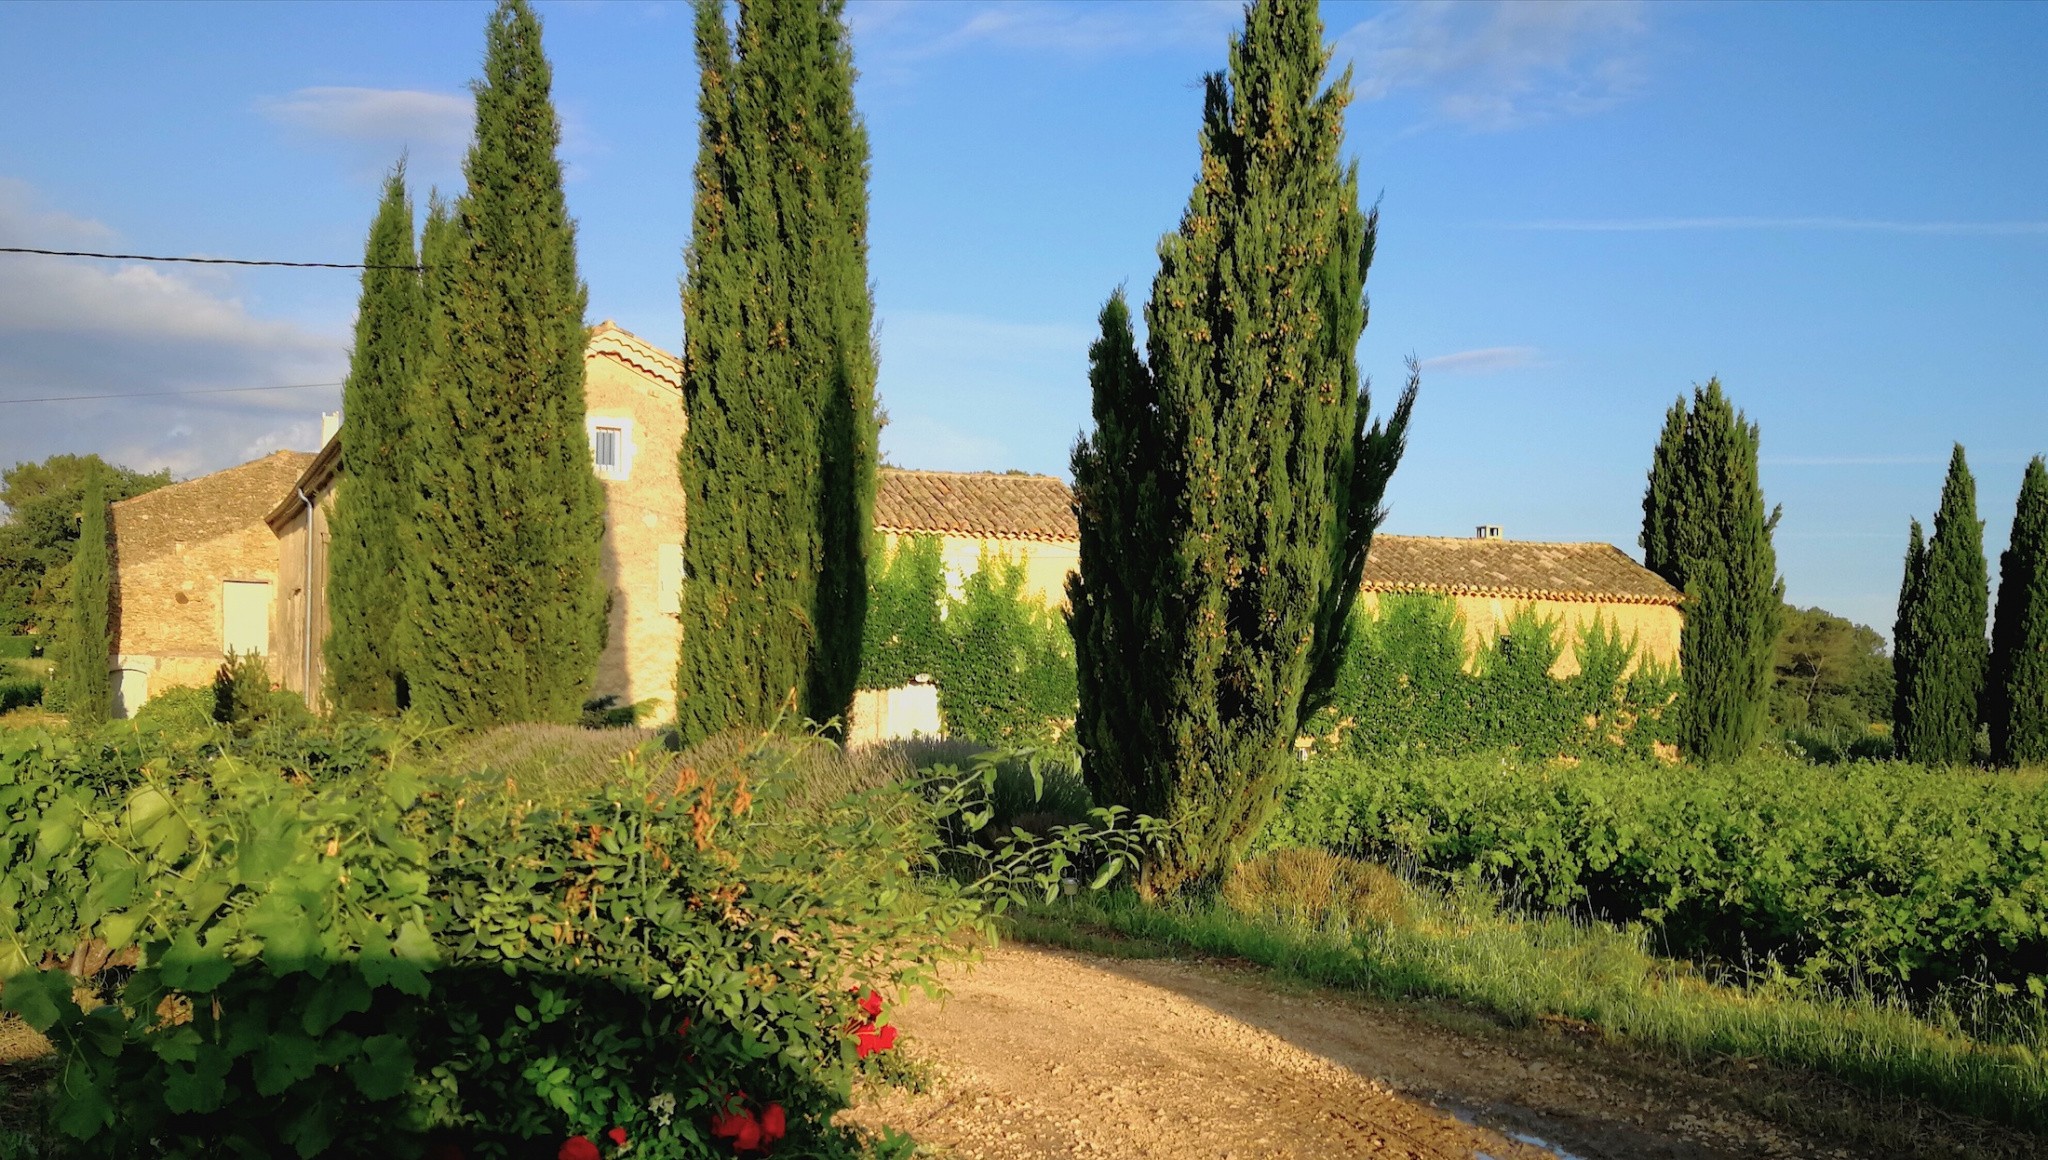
[[1466, 948]]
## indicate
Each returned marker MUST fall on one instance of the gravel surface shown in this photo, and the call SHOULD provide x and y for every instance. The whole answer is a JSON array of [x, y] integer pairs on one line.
[[1041, 1053]]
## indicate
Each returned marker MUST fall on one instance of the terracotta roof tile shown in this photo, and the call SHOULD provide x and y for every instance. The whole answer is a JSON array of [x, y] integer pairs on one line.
[[964, 503], [1523, 569]]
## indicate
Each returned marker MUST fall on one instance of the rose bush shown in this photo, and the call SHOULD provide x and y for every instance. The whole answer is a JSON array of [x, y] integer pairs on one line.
[[382, 958]]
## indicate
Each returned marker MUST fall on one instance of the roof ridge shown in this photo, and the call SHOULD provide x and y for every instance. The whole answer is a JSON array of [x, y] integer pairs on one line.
[[989, 474], [170, 487], [1503, 541]]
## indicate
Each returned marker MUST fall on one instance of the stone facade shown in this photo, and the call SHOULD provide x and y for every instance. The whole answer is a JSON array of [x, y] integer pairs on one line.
[[177, 552]]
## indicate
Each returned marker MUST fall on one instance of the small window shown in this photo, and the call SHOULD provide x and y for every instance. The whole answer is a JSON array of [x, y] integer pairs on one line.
[[606, 445]]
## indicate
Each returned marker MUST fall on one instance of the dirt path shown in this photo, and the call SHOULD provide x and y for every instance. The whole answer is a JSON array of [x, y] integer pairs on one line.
[[1044, 1053]]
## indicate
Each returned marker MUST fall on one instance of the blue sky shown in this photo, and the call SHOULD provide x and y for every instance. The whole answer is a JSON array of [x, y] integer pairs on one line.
[[1840, 210]]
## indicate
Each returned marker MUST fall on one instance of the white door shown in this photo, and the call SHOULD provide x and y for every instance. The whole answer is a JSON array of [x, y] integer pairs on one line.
[[244, 616]]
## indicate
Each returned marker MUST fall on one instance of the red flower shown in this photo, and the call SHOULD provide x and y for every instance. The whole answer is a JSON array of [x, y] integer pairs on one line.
[[872, 1004], [740, 1127], [774, 1123], [617, 1136], [875, 1039], [685, 1028], [577, 1148]]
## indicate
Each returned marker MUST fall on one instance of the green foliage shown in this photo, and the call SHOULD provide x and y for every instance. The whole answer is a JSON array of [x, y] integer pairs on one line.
[[778, 464], [41, 532], [1003, 661], [381, 957], [19, 648], [504, 592], [18, 687], [1231, 487], [1879, 871], [1941, 651], [246, 701], [1706, 531], [1832, 675], [2016, 693], [180, 712], [365, 580], [84, 663], [1406, 687]]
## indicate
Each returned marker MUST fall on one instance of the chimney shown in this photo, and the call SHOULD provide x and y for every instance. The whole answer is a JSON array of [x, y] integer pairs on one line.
[[1488, 532], [330, 423]]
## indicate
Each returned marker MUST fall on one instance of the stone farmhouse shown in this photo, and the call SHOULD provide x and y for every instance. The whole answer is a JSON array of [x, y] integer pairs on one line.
[[238, 559]]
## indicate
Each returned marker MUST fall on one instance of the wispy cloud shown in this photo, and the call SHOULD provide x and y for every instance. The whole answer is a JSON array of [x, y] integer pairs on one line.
[[1502, 64], [77, 327], [1843, 224], [375, 126], [1484, 361], [892, 35]]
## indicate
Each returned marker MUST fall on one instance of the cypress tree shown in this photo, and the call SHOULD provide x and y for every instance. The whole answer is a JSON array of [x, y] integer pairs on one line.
[[1706, 530], [1231, 488], [365, 591], [88, 684], [504, 589], [1939, 693], [2016, 695], [778, 463], [1905, 637]]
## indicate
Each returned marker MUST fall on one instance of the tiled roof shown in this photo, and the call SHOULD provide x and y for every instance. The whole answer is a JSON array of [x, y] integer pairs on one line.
[[1039, 507], [610, 340], [1520, 569], [202, 508], [975, 503]]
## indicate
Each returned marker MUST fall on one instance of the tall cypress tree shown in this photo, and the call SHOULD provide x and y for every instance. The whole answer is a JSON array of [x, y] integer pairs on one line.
[[1905, 636], [2016, 695], [1230, 490], [1939, 693], [1706, 530], [365, 591], [778, 463], [504, 587], [88, 684]]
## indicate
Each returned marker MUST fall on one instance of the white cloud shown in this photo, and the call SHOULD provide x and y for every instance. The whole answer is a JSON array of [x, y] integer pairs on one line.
[[381, 115], [71, 326], [1484, 361], [1846, 224], [1501, 64]]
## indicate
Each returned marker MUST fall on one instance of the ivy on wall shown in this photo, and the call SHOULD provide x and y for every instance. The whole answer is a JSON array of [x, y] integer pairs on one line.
[[1002, 660], [1408, 685]]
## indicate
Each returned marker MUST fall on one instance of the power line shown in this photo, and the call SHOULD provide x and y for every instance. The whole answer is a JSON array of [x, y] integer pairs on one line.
[[201, 261], [169, 394]]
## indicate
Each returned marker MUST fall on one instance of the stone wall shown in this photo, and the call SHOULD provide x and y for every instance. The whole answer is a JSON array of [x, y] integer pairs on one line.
[[174, 548]]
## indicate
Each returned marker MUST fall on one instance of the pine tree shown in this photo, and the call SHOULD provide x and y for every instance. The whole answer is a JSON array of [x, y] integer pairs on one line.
[[1706, 530], [778, 463], [2016, 695], [1905, 635], [1230, 490], [504, 588], [365, 591], [1940, 689], [85, 672]]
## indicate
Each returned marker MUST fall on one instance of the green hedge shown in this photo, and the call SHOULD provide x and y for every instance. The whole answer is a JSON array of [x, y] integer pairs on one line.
[[373, 958], [1879, 871], [1003, 661], [19, 648], [1408, 685]]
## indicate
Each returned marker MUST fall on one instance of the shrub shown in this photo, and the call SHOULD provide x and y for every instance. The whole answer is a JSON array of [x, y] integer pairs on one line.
[[383, 958], [1407, 686], [1878, 871], [187, 711], [20, 648]]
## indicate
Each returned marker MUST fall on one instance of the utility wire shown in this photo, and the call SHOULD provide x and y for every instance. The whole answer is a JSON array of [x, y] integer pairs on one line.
[[201, 261], [169, 394]]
